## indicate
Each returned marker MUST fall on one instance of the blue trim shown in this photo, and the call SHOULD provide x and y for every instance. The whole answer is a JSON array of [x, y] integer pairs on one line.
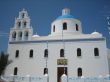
[[68, 40], [65, 16]]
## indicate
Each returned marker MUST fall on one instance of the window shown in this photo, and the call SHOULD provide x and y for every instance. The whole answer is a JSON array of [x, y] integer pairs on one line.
[[62, 53], [78, 52], [77, 28], [79, 72], [65, 26], [54, 28], [46, 53], [96, 51], [31, 53], [45, 71], [17, 53], [15, 70]]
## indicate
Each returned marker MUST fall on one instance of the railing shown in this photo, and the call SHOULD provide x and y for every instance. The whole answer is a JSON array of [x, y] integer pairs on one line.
[[64, 78], [25, 78]]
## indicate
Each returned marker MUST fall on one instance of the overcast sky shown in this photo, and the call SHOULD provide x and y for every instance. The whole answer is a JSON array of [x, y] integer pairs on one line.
[[92, 14]]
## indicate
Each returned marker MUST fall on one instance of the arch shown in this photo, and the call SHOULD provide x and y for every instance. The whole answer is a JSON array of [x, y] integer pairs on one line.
[[78, 52], [24, 23], [77, 27], [15, 71], [96, 52], [64, 26], [14, 35], [23, 14], [31, 53], [61, 52], [79, 70], [54, 28], [20, 35], [26, 34], [19, 24], [45, 71], [17, 54], [46, 53]]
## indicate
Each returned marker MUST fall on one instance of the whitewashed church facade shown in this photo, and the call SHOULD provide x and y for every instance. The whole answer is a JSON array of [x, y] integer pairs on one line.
[[65, 50]]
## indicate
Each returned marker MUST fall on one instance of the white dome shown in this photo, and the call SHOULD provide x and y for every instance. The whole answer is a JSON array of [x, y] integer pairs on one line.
[[35, 36], [96, 33]]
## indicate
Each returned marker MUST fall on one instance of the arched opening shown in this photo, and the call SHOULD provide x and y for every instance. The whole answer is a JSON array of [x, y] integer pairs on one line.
[[96, 51], [31, 53], [46, 53], [45, 71], [61, 52], [77, 28], [19, 24], [14, 36], [79, 72], [26, 35], [25, 23], [15, 71], [20, 35], [78, 52], [64, 26], [23, 14]]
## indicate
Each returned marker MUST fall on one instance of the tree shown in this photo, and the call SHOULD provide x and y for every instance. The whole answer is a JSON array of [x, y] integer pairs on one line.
[[3, 62]]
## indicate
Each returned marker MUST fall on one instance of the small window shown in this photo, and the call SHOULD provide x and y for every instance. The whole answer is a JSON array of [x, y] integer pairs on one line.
[[78, 52], [46, 53], [62, 53], [54, 28], [17, 53], [45, 71], [15, 71], [26, 35], [79, 72], [65, 26], [31, 53], [77, 28], [20, 35], [96, 51]]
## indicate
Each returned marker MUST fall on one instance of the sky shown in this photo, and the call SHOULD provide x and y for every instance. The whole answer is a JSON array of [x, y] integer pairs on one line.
[[92, 14]]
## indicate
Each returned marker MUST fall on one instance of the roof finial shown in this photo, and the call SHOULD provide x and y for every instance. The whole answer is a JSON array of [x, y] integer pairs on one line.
[[65, 11]]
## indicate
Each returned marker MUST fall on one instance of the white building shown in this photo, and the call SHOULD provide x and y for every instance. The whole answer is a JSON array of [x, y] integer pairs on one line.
[[65, 50]]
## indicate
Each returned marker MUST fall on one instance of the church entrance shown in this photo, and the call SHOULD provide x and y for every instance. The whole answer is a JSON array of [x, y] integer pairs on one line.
[[60, 72]]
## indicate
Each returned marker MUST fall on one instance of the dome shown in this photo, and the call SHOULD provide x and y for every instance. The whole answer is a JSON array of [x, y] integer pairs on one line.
[[95, 33], [35, 36]]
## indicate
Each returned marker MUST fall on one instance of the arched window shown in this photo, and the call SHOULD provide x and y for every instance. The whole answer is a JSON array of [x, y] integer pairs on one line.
[[20, 35], [96, 51], [15, 71], [31, 53], [25, 23], [62, 53], [79, 72], [17, 54], [64, 26], [14, 35], [77, 28], [26, 35], [78, 52], [46, 53], [45, 71], [54, 28]]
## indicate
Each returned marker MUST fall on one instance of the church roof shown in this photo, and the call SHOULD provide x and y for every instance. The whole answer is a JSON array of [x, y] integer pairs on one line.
[[65, 16]]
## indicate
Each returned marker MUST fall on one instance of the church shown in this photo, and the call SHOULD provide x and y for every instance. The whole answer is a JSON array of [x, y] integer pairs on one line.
[[66, 50]]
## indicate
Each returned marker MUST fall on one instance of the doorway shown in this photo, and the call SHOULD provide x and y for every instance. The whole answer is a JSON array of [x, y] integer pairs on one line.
[[60, 72]]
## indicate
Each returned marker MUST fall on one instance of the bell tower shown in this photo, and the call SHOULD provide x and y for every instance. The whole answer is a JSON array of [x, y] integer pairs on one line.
[[22, 30]]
